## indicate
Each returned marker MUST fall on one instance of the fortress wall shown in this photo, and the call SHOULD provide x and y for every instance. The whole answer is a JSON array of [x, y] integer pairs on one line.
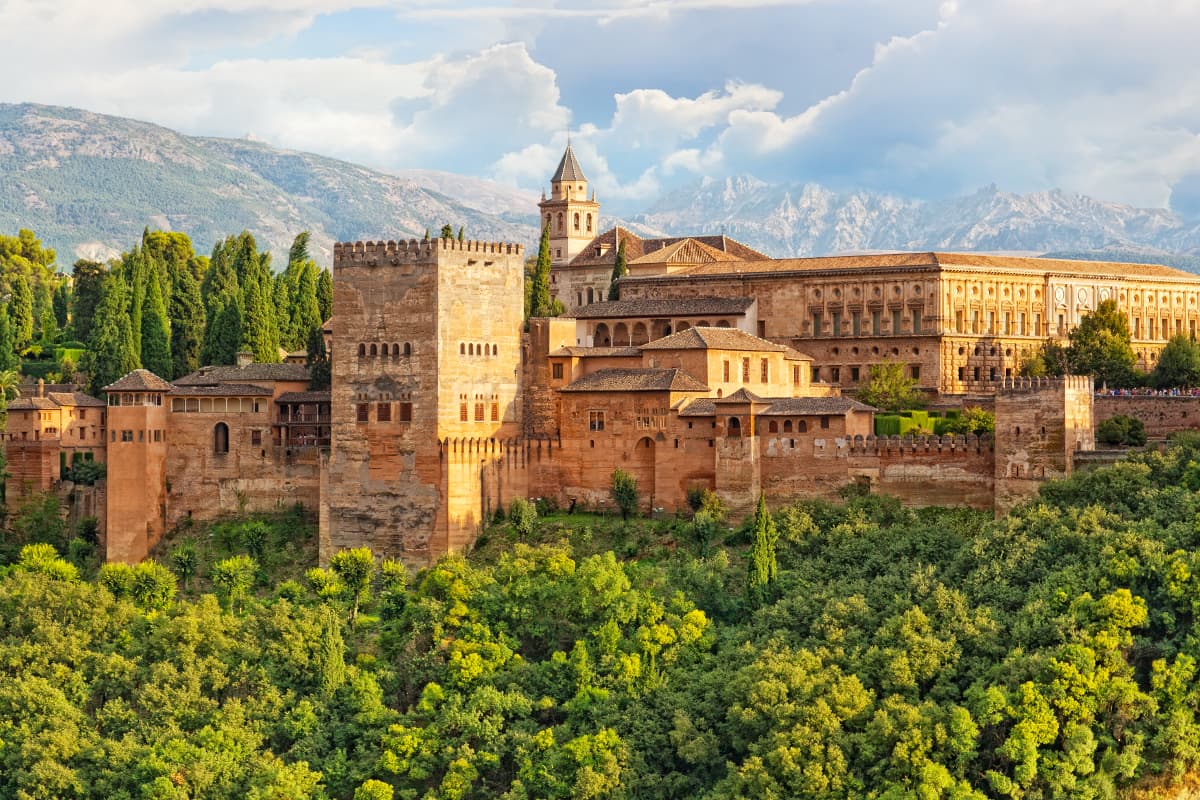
[[1162, 416]]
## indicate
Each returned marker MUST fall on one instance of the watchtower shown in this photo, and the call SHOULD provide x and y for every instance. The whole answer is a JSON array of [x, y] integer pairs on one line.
[[426, 351], [1040, 424], [574, 219], [135, 514]]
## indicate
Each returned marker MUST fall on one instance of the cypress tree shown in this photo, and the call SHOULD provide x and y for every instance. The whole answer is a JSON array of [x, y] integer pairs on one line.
[[460, 233], [219, 290], [47, 326], [306, 311], [62, 301], [187, 324], [88, 280], [325, 295], [8, 343], [260, 333], [540, 300], [110, 348], [620, 270], [156, 338], [318, 360], [298, 253], [136, 270], [22, 310], [226, 339], [763, 567]]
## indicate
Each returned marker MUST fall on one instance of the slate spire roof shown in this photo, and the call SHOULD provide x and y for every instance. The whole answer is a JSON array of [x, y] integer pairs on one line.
[[568, 169]]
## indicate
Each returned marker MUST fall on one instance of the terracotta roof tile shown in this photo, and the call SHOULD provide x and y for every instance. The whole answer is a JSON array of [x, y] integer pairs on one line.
[[304, 397], [637, 247], [782, 406], [221, 390], [665, 307], [576, 351], [31, 404], [140, 380], [715, 339], [685, 251], [742, 395], [78, 399], [207, 376], [636, 380]]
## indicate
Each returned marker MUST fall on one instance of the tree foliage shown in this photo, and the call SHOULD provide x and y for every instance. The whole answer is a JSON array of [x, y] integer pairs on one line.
[[1178, 364], [620, 270], [539, 303], [1101, 347], [624, 491], [887, 388]]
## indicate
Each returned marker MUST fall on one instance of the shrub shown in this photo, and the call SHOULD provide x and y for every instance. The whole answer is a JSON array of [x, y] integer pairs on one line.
[[1122, 430], [624, 492], [522, 514]]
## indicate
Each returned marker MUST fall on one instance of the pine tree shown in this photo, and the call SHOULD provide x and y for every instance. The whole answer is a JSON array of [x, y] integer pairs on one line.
[[325, 295], [22, 310], [763, 567], [540, 299], [156, 337], [8, 343], [298, 254], [620, 270], [110, 348], [447, 232], [187, 324], [318, 360]]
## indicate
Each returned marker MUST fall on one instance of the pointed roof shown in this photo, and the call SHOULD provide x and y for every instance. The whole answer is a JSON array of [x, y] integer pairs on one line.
[[742, 395], [568, 168], [684, 251], [714, 339], [140, 380]]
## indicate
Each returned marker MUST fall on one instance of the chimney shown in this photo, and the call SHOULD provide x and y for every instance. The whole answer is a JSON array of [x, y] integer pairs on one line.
[[245, 358], [41, 387]]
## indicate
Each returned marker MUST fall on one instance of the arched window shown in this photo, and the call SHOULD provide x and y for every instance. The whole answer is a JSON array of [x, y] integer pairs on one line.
[[408, 348], [772, 427], [801, 427], [470, 349], [620, 335], [362, 350], [589, 223], [787, 426], [395, 350], [560, 222], [462, 349], [734, 427], [221, 438], [495, 350], [576, 220], [579, 298], [639, 335], [374, 350], [602, 338]]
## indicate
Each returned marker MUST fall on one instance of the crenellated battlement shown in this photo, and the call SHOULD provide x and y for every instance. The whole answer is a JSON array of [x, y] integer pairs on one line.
[[958, 443], [379, 253], [1020, 385]]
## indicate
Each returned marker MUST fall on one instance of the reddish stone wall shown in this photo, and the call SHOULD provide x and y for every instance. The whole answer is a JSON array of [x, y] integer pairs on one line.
[[1162, 416], [32, 466]]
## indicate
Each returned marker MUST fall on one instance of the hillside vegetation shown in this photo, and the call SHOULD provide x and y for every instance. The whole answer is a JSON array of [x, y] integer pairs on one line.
[[828, 651]]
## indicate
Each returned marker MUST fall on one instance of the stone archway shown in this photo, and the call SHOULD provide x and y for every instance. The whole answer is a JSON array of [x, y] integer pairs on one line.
[[601, 337], [641, 466], [639, 335], [620, 335]]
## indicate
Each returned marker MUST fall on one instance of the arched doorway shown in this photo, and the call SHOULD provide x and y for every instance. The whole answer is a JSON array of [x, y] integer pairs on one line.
[[641, 466], [733, 428], [220, 439]]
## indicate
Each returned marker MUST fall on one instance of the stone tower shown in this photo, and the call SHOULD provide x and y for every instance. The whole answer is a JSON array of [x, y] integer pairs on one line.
[[1040, 424], [574, 219], [137, 466], [426, 366]]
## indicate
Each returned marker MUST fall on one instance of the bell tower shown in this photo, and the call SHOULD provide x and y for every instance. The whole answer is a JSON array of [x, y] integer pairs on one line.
[[573, 217]]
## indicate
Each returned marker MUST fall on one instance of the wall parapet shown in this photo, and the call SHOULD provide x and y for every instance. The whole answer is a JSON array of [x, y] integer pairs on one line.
[[1017, 385], [956, 443], [374, 253]]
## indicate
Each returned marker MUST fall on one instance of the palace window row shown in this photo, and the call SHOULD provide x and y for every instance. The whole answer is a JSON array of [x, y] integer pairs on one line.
[[135, 399], [384, 411], [152, 435], [382, 350], [216, 405], [473, 349]]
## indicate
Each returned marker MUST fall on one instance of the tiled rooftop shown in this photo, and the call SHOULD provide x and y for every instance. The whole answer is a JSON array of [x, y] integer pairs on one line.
[[637, 380], [666, 307], [207, 376], [140, 380]]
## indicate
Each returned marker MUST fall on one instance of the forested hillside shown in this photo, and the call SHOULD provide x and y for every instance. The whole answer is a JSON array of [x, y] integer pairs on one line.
[[856, 650]]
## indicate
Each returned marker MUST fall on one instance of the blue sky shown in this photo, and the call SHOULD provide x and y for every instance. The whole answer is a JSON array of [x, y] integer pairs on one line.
[[921, 98]]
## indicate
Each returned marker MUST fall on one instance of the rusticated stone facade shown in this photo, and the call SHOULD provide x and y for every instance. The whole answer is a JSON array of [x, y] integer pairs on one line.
[[426, 360]]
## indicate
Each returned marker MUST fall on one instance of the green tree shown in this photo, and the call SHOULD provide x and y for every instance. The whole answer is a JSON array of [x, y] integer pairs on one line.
[[1049, 360], [258, 331], [232, 579], [447, 232], [8, 343], [540, 296], [325, 295], [21, 310], [1101, 347], [1122, 429], [624, 492], [111, 353], [219, 291], [156, 338], [332, 656], [187, 324], [226, 336], [763, 568], [319, 368], [373, 790], [62, 304], [298, 254], [620, 270], [887, 388], [88, 282], [460, 234], [1178, 364], [354, 567], [305, 309], [523, 515], [46, 325]]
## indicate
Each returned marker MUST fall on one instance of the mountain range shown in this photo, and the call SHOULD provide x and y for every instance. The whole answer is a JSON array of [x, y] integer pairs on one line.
[[89, 183]]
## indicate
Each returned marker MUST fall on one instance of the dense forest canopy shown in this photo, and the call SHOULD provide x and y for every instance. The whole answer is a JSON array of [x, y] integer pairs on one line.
[[824, 650]]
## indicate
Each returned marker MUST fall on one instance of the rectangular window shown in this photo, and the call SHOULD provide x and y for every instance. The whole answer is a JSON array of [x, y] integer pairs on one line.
[[463, 415], [1166, 329], [495, 412], [818, 323], [795, 374], [1137, 328], [916, 372], [126, 436], [479, 412], [1021, 324], [975, 373], [1007, 323], [745, 370], [764, 371], [256, 438], [854, 374], [962, 376], [595, 420], [837, 323], [917, 312], [824, 422], [816, 374], [1062, 325], [896, 314], [991, 373], [856, 323], [835, 374], [974, 322], [959, 325], [83, 413], [991, 328], [383, 412], [556, 371], [363, 412], [1037, 324], [725, 371], [141, 436], [875, 323], [406, 412]]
